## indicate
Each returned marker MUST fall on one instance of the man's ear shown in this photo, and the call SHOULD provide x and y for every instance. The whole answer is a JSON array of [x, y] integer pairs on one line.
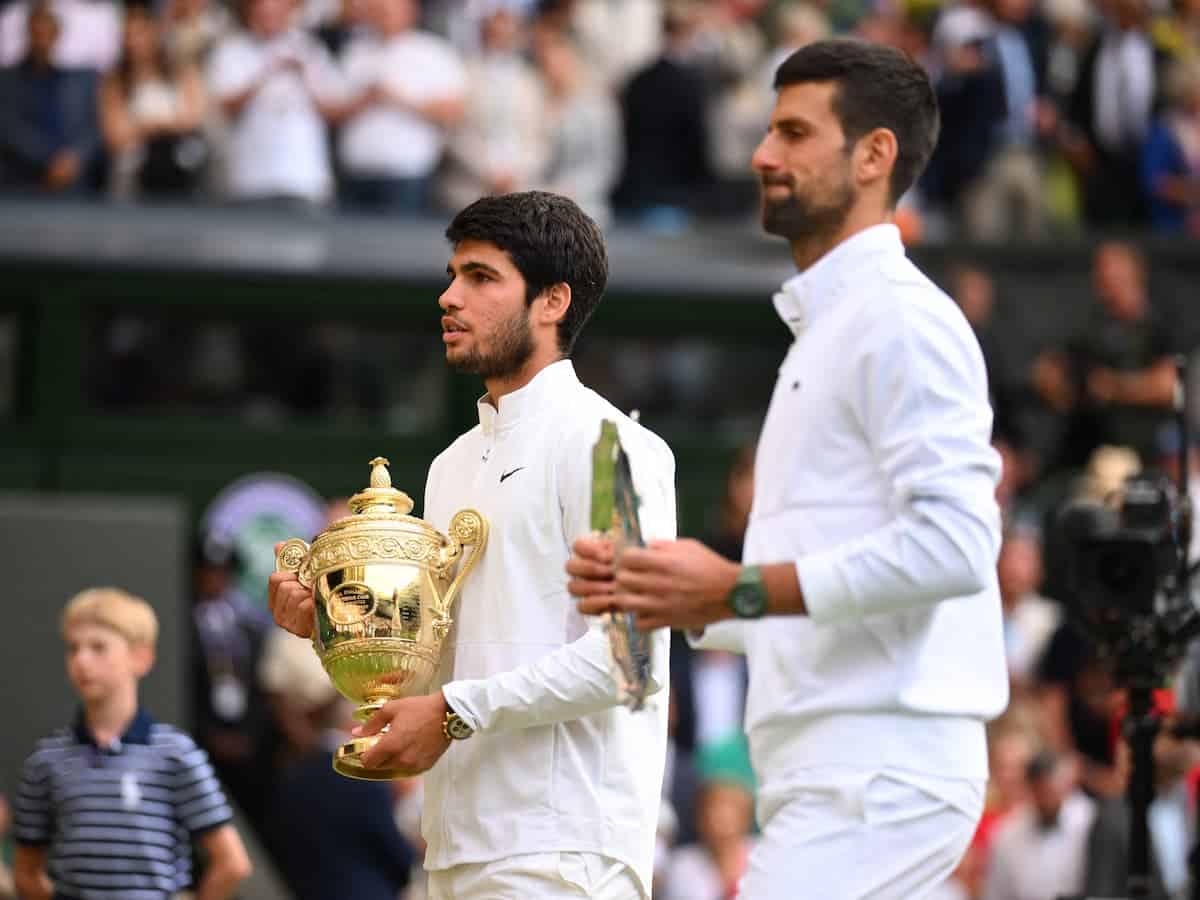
[[555, 301], [143, 660], [876, 156]]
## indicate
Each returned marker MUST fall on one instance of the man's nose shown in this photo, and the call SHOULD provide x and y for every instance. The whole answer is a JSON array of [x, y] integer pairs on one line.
[[763, 159]]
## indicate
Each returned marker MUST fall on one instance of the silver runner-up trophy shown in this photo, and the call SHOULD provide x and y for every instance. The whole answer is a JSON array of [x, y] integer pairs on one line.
[[615, 517]]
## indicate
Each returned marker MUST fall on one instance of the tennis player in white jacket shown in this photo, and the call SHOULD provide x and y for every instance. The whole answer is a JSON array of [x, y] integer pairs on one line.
[[540, 784], [866, 601]]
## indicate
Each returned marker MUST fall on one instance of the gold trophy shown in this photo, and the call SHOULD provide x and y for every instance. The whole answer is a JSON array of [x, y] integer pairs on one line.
[[383, 585]]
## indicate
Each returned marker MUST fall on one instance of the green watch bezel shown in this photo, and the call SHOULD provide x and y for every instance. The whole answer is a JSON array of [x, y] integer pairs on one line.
[[748, 599]]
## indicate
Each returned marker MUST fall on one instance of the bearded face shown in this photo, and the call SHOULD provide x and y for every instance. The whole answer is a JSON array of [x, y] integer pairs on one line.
[[804, 165], [797, 211], [508, 348]]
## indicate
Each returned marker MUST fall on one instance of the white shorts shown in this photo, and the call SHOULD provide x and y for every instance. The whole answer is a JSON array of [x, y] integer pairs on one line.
[[552, 876], [850, 835]]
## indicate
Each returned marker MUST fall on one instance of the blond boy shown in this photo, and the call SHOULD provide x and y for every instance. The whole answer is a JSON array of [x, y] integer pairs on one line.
[[107, 808]]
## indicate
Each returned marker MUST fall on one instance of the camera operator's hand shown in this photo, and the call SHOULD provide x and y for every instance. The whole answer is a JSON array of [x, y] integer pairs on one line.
[[1052, 379]]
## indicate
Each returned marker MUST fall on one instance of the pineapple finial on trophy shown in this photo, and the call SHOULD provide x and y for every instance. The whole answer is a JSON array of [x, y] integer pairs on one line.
[[380, 496], [380, 477]]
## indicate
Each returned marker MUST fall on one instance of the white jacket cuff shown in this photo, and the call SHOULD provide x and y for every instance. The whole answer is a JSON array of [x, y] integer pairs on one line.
[[824, 590]]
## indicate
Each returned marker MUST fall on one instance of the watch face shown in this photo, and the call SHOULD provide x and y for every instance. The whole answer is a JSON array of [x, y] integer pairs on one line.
[[747, 601], [458, 729]]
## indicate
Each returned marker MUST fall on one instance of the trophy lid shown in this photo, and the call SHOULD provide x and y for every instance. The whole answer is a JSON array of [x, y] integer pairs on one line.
[[381, 497]]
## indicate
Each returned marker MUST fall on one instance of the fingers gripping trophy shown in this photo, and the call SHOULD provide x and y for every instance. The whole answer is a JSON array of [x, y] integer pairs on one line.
[[384, 584]]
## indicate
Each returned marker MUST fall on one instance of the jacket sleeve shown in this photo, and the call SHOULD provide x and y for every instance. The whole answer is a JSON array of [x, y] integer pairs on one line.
[[576, 679], [919, 392], [18, 136]]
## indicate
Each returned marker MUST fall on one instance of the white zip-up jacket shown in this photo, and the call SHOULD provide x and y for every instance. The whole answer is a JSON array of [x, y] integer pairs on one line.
[[875, 474], [555, 764]]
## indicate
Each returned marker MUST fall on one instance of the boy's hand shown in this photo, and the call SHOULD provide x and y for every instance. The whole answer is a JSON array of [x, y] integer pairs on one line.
[[291, 602]]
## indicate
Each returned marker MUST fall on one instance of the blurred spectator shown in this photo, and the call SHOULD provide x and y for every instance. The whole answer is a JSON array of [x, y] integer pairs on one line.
[[1029, 618], [277, 87], [415, 85], [233, 722], [1005, 201], [742, 110], [499, 146], [1167, 461], [975, 293], [49, 136], [1067, 43], [1167, 819], [1011, 744], [1110, 114], [708, 688], [89, 33], [667, 174], [798, 24], [337, 837], [728, 43], [970, 92], [1124, 362], [8, 890], [1177, 34], [151, 110], [1040, 852], [192, 28], [617, 37], [711, 869], [583, 127], [1170, 161]]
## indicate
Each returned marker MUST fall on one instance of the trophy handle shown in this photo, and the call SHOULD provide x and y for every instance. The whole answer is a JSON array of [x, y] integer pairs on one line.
[[467, 528], [293, 556]]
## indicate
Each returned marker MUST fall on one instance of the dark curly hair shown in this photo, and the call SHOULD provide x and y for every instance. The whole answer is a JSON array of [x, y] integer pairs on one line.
[[550, 241]]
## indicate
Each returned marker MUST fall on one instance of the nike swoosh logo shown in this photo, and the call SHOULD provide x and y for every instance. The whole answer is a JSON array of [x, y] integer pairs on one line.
[[513, 472]]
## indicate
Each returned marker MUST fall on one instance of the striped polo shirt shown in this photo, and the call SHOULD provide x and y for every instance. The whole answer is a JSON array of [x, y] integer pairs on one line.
[[117, 821]]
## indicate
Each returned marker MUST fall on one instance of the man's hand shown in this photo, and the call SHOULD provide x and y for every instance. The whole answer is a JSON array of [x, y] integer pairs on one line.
[[414, 739], [592, 573], [291, 602], [681, 584], [63, 170]]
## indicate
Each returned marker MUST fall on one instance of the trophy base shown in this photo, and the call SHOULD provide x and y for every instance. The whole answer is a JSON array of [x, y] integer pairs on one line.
[[347, 760]]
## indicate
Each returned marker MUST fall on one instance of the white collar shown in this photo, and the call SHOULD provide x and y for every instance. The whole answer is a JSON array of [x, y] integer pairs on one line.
[[529, 398], [807, 294]]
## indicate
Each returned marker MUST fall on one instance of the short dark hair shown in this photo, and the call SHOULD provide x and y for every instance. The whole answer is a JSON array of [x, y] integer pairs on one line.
[[550, 241], [877, 87]]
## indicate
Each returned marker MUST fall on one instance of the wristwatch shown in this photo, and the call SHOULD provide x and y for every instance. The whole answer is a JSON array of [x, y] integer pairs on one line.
[[454, 728], [748, 599]]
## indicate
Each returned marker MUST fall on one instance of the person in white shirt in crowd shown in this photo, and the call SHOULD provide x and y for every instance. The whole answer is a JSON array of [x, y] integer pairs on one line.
[[1040, 852], [278, 88], [1029, 618], [551, 787], [711, 868], [390, 149], [89, 33], [867, 605], [500, 144], [583, 127]]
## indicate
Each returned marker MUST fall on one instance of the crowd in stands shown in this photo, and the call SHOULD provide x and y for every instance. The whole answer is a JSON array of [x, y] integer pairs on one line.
[[1058, 115]]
